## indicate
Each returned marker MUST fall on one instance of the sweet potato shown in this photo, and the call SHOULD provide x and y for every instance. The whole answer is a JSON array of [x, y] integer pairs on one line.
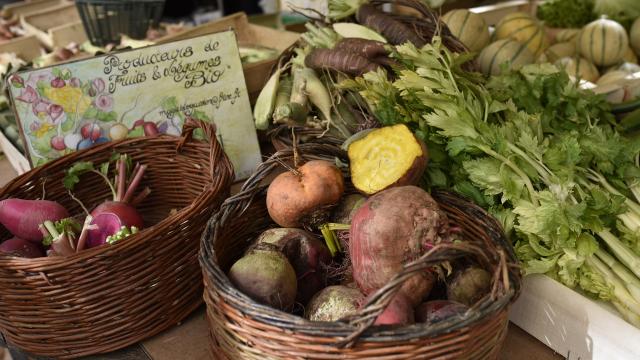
[[307, 254], [393, 227], [334, 303], [386, 157], [295, 197]]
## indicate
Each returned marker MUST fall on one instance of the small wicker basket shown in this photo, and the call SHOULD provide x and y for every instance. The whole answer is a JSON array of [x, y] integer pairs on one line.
[[240, 328], [106, 298]]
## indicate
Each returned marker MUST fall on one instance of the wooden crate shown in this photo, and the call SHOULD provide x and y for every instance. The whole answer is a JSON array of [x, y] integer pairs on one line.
[[255, 74], [25, 47], [56, 27], [26, 7]]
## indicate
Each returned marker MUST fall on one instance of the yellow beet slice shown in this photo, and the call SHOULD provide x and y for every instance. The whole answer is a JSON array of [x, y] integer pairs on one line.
[[386, 157]]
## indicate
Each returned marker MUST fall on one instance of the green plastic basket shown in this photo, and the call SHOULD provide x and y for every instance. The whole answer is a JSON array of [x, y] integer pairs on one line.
[[105, 21]]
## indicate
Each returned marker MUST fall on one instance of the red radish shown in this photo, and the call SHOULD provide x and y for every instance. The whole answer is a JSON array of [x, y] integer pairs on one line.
[[116, 218], [398, 312], [57, 143], [91, 131], [21, 248], [150, 129], [23, 217], [110, 217], [392, 228]]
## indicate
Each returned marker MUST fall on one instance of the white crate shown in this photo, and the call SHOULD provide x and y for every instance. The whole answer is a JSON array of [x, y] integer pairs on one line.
[[572, 324]]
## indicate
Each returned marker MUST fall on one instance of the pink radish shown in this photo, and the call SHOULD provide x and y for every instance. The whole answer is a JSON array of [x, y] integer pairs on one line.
[[91, 131], [57, 143], [21, 248], [115, 218], [110, 217], [23, 217]]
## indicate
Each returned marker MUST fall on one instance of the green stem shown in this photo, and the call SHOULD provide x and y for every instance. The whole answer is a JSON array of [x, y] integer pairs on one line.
[[329, 239], [515, 168], [106, 179], [51, 228], [619, 290], [623, 253], [632, 282], [540, 168]]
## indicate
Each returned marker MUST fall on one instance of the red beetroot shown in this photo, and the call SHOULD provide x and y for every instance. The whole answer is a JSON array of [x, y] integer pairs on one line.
[[398, 312], [438, 310], [392, 228], [21, 248], [23, 217], [150, 129], [308, 255]]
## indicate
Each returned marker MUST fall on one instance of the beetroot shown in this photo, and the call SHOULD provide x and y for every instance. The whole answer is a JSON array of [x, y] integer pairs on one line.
[[266, 276], [334, 303], [23, 217], [347, 208], [21, 248], [392, 228], [398, 312], [438, 310], [469, 285], [110, 217], [308, 255]]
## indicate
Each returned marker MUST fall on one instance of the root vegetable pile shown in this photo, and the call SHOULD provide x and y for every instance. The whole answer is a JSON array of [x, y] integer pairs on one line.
[[370, 241]]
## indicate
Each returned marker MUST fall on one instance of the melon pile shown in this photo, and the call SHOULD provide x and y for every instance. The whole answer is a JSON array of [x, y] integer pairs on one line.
[[601, 53]]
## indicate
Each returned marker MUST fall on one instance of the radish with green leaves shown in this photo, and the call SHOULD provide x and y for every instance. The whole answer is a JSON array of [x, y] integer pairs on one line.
[[117, 218]]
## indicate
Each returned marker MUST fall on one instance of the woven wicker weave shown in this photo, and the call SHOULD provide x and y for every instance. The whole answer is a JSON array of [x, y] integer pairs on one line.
[[106, 298], [243, 329]]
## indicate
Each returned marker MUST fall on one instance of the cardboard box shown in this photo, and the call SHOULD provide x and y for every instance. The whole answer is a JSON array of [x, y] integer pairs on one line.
[[18, 9], [56, 27], [256, 74], [25, 47]]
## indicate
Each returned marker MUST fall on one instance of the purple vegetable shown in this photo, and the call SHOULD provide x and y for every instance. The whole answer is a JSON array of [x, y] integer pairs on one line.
[[21, 248], [23, 217]]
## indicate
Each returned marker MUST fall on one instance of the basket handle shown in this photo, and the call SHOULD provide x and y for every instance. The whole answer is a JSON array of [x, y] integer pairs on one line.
[[216, 153]]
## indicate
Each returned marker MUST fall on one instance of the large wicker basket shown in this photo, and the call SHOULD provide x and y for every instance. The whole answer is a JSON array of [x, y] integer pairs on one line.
[[108, 297], [243, 329]]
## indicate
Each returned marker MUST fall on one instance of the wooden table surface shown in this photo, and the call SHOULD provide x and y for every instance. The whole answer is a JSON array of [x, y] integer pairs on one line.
[[189, 340]]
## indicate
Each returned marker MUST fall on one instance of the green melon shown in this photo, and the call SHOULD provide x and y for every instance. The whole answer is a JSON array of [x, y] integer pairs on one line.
[[524, 28], [566, 35], [502, 51], [630, 56], [468, 27], [579, 68], [557, 51], [634, 36], [603, 42]]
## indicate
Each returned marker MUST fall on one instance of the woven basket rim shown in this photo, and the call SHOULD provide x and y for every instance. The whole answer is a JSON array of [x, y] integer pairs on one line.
[[132, 240], [250, 190]]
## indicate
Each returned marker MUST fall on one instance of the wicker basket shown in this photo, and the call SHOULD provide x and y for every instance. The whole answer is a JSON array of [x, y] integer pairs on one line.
[[108, 297], [243, 329]]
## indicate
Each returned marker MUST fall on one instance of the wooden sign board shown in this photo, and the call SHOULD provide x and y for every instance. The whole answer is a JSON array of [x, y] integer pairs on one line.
[[142, 92]]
